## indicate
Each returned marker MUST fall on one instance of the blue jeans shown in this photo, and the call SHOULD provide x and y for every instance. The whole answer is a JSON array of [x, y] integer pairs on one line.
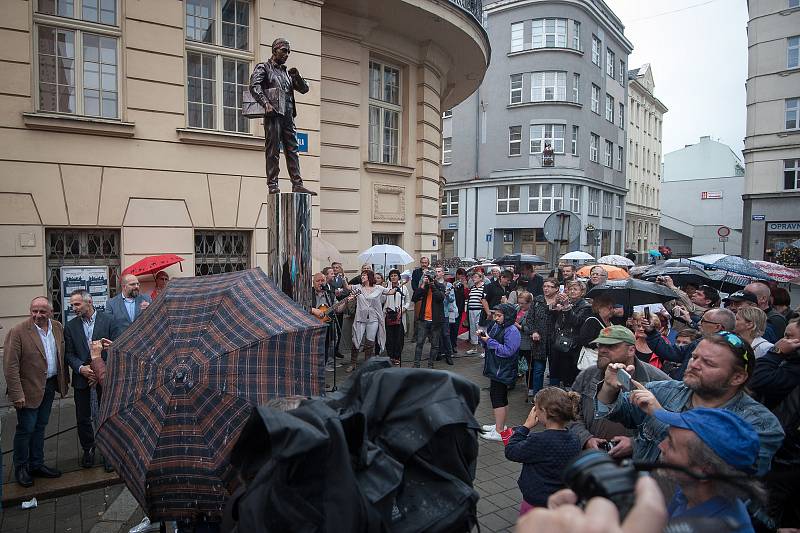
[[445, 348], [29, 435], [536, 381]]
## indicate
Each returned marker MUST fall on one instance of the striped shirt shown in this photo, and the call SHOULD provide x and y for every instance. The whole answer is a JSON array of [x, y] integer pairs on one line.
[[475, 296]]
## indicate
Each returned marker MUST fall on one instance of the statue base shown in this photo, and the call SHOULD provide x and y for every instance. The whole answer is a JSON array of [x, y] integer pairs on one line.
[[289, 230]]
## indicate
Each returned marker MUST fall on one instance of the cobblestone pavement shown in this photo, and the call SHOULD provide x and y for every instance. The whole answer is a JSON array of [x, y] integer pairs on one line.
[[495, 481]]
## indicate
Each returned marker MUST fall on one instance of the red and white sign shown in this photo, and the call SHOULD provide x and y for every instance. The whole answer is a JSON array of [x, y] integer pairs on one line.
[[723, 231], [711, 195]]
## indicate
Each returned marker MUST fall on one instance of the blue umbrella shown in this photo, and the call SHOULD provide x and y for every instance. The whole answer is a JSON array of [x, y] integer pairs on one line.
[[731, 264]]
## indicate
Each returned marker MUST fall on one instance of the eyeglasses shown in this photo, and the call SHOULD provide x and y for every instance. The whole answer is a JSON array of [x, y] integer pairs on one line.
[[736, 342], [706, 321]]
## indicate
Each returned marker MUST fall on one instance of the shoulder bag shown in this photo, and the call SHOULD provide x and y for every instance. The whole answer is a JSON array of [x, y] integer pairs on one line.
[[588, 356]]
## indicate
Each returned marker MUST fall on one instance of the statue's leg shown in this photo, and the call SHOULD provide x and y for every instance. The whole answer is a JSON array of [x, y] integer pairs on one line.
[[289, 139], [272, 137]]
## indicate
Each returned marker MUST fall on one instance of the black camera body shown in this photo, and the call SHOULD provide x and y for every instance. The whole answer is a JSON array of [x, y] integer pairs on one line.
[[595, 473]]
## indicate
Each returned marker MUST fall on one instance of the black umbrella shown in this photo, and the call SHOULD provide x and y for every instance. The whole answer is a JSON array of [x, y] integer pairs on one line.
[[520, 259], [681, 274], [630, 292]]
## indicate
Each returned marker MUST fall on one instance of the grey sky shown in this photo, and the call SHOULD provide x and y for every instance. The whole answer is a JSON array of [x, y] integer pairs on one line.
[[699, 60]]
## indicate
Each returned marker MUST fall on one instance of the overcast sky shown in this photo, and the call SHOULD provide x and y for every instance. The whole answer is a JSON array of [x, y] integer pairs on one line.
[[698, 53]]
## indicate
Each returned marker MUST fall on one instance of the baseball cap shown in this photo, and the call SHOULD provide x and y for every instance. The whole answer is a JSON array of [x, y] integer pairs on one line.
[[742, 296], [734, 440], [615, 335]]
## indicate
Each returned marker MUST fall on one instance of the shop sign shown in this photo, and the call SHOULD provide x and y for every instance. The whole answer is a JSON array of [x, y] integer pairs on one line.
[[783, 226], [711, 195]]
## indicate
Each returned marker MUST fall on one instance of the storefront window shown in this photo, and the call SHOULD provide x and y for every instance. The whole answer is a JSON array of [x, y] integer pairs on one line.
[[782, 243]]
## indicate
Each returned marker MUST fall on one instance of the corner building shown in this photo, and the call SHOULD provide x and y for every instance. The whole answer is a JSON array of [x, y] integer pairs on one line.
[[558, 76], [121, 134]]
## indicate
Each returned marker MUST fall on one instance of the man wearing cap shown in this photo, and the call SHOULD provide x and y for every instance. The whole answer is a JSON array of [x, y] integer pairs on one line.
[[615, 344], [715, 377], [713, 321], [711, 442]]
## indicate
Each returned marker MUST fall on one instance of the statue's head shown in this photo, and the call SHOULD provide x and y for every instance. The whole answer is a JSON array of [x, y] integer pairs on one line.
[[281, 48]]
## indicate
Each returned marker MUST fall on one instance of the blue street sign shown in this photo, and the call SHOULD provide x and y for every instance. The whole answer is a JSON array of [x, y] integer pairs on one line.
[[759, 217], [452, 225], [302, 142], [488, 237]]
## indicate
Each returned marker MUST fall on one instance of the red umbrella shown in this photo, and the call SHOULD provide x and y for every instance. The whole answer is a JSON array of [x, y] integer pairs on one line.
[[152, 264]]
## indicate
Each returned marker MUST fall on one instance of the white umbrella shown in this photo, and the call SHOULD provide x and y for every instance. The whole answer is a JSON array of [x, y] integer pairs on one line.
[[576, 256], [615, 260], [386, 254]]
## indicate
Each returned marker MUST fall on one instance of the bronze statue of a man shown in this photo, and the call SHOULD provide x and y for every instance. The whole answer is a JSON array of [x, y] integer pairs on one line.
[[273, 87]]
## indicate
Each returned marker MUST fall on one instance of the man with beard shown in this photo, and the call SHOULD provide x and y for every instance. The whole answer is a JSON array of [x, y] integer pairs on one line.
[[715, 377], [615, 344], [129, 303]]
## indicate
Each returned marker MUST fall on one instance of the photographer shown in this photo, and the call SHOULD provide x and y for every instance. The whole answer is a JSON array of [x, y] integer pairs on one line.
[[430, 294], [715, 377], [700, 301]]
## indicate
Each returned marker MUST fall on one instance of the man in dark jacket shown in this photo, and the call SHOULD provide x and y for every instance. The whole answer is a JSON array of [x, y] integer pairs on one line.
[[430, 294], [778, 371], [89, 325]]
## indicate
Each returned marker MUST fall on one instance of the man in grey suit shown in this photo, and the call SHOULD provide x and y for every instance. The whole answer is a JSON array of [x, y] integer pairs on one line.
[[127, 305]]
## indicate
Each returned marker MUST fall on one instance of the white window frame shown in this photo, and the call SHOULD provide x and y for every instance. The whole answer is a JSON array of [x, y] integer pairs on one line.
[[544, 133], [541, 202], [506, 198], [574, 141], [608, 204], [576, 88], [517, 36], [594, 147], [620, 150], [792, 108], [514, 91], [540, 33], [514, 141], [791, 166], [449, 207], [594, 202], [609, 153], [596, 46], [220, 54], [622, 73], [447, 150], [621, 116], [793, 52], [79, 28], [576, 35], [548, 86], [574, 198], [610, 108], [595, 99], [611, 61], [618, 206], [384, 106]]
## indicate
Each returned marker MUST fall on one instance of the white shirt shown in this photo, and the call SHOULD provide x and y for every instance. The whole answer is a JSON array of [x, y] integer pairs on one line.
[[50, 350], [130, 307]]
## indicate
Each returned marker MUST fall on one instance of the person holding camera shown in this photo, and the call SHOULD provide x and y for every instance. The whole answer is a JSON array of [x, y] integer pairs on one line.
[[715, 377], [615, 344], [700, 301], [501, 343], [430, 296]]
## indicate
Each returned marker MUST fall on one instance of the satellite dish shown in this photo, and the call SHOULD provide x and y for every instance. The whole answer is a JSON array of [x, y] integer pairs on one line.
[[562, 227]]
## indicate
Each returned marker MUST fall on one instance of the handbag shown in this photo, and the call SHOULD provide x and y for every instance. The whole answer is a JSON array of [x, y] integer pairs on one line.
[[563, 343], [251, 108], [587, 358], [393, 318]]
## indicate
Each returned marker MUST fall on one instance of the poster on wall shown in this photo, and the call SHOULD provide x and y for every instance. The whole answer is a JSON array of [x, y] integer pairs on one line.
[[90, 278]]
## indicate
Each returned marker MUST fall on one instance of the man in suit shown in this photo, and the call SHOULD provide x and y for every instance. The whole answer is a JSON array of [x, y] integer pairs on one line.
[[273, 87], [126, 306], [89, 325], [33, 365]]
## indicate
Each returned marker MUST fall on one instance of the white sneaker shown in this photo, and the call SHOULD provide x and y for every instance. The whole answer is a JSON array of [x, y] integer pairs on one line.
[[491, 435], [473, 351], [144, 526], [489, 427], [481, 355]]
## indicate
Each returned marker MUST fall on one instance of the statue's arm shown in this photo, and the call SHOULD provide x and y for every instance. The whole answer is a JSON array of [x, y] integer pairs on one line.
[[256, 89], [299, 84]]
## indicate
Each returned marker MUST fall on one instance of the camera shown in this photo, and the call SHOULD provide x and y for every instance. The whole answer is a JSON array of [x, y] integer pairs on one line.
[[430, 274], [606, 446], [595, 473]]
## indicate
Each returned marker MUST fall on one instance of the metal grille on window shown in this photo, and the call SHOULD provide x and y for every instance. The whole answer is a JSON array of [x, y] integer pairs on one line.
[[386, 238], [216, 252], [70, 247]]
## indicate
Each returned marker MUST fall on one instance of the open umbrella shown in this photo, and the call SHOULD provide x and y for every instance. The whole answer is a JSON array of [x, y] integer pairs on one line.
[[386, 254], [184, 378], [325, 251], [520, 259], [615, 260], [732, 264], [152, 264], [681, 274], [576, 256], [613, 272], [483, 266], [778, 272], [632, 292]]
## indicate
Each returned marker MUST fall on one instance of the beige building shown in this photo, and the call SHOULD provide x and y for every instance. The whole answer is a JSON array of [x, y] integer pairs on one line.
[[645, 122], [771, 214], [121, 134]]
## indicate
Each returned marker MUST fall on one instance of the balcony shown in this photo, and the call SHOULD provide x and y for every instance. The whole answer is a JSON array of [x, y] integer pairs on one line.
[[447, 34]]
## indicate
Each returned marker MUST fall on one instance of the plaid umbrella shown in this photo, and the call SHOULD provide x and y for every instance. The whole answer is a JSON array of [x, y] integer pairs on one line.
[[184, 378]]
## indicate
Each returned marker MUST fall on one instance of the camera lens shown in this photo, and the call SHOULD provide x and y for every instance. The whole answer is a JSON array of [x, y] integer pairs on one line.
[[594, 473]]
